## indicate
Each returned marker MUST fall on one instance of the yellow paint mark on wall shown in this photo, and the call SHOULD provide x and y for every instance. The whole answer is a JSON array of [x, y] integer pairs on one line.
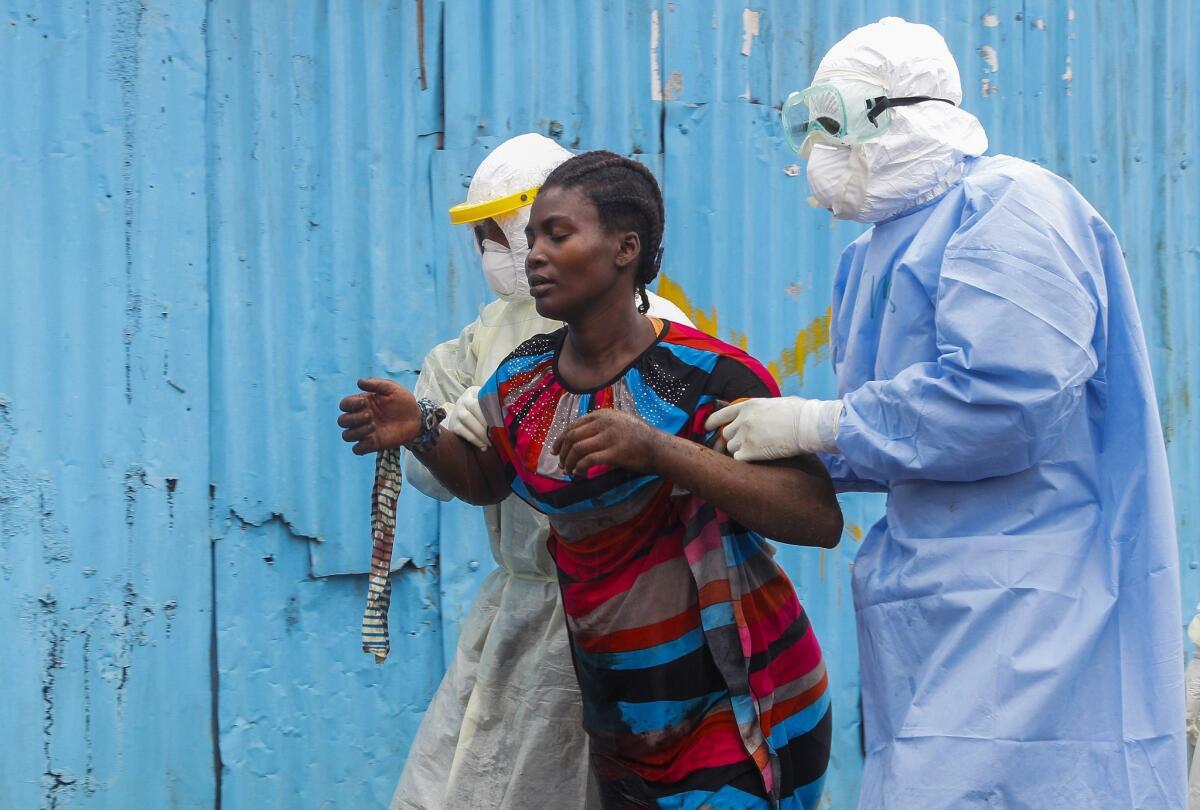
[[811, 343], [671, 290]]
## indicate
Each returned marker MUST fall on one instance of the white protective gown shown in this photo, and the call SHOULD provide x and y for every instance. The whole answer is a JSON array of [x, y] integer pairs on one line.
[[504, 729]]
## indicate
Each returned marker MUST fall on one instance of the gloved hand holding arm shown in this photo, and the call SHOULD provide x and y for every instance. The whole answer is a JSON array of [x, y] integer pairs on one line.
[[789, 500], [784, 427], [761, 429]]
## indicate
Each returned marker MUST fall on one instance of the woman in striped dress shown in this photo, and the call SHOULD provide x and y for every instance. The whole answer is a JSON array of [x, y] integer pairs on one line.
[[702, 681]]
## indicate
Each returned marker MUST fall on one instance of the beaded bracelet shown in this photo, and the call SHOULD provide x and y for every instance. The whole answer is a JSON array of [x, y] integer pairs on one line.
[[432, 415]]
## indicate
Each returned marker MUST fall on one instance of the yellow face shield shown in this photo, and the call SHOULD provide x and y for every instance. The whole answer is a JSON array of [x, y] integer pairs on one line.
[[477, 212]]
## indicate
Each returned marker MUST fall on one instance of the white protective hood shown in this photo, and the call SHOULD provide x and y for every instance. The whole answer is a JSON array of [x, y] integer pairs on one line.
[[517, 164], [922, 153]]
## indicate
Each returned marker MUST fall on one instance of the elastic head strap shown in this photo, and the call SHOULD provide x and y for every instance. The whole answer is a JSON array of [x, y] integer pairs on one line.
[[876, 106]]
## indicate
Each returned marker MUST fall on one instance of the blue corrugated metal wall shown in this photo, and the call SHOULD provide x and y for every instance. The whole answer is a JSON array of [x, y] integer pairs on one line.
[[105, 587], [219, 214]]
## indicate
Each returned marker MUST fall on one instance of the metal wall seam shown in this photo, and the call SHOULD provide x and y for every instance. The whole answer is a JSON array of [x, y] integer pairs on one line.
[[321, 255]]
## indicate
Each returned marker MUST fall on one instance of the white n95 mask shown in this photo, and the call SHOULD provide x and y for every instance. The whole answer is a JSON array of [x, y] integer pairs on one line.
[[504, 270], [837, 177]]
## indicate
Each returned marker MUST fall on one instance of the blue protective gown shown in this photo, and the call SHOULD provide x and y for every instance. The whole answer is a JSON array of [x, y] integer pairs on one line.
[[1018, 606]]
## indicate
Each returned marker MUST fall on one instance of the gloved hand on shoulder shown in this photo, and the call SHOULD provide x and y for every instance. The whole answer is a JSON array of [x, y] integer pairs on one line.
[[466, 419]]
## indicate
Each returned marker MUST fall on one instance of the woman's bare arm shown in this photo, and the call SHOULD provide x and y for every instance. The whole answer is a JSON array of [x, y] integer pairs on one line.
[[472, 475], [791, 501]]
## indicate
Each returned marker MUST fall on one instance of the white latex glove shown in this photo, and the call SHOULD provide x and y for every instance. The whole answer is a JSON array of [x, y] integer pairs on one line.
[[765, 429], [465, 419]]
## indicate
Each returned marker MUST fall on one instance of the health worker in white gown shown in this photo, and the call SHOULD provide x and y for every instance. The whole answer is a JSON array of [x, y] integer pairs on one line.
[[504, 729]]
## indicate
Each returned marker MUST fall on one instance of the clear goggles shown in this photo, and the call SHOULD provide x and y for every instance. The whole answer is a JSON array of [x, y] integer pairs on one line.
[[854, 113]]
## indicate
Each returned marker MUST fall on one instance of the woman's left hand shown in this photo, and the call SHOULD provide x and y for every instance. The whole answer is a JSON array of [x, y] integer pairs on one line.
[[610, 438]]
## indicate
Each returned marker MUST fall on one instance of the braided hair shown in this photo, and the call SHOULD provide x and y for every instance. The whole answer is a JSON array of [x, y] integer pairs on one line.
[[627, 198]]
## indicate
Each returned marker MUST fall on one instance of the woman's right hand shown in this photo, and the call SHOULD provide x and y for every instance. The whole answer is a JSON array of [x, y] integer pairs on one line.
[[385, 416]]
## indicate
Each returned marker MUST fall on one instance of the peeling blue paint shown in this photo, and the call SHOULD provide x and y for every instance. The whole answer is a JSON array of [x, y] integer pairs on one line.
[[102, 159]]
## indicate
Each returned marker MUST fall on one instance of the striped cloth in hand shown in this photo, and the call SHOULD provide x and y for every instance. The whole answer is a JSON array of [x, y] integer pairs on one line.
[[383, 531]]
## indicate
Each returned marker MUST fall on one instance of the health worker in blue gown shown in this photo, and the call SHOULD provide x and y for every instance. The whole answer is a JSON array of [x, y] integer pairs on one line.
[[1018, 605]]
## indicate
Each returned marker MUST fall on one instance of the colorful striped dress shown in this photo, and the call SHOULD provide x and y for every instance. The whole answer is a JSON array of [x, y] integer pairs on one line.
[[703, 684]]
